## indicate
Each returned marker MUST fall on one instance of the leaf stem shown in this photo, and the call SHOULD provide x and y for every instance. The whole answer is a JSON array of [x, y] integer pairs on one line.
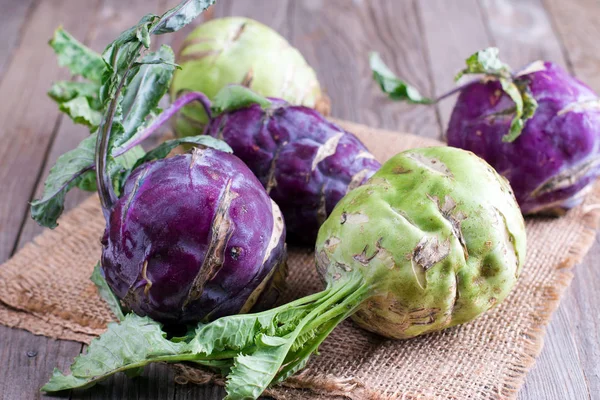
[[164, 117]]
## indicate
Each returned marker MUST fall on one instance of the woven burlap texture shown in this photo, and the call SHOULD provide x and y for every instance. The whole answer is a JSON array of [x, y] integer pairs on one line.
[[45, 289]]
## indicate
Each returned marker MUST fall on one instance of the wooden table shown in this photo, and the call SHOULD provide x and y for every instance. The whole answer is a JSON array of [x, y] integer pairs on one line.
[[424, 41]]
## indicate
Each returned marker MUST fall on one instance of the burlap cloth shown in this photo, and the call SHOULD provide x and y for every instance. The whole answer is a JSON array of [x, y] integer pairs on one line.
[[45, 289]]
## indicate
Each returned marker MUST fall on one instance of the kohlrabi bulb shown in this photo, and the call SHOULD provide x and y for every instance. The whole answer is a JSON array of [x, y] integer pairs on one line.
[[436, 233], [192, 238], [242, 51]]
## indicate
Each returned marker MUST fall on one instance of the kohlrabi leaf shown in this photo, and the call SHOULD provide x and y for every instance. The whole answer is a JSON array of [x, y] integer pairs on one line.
[[74, 168], [233, 97], [78, 58], [106, 293], [68, 90], [128, 345], [525, 106], [69, 168], [396, 88], [146, 85], [162, 150], [81, 112], [124, 68], [180, 15], [485, 62]]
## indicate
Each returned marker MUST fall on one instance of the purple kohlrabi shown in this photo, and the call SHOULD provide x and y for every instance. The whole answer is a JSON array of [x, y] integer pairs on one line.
[[538, 127], [557, 154], [306, 163], [194, 237]]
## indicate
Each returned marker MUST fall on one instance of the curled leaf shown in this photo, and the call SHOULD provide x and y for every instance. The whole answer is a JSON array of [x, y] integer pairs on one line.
[[396, 88]]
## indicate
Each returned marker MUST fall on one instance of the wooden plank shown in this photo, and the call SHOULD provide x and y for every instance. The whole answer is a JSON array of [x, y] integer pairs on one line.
[[448, 44], [523, 32], [28, 361], [29, 118], [336, 37], [576, 22], [12, 18]]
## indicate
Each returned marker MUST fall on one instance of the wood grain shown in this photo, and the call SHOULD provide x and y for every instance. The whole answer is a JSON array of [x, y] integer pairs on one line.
[[29, 119], [336, 37], [12, 19], [448, 44]]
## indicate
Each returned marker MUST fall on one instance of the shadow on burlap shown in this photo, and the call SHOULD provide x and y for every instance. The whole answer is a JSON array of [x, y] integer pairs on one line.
[[45, 289]]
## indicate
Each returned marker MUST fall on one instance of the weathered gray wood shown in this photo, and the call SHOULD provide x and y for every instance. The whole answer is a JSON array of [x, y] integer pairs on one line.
[[449, 43], [336, 37], [27, 117], [12, 18], [576, 22], [28, 121]]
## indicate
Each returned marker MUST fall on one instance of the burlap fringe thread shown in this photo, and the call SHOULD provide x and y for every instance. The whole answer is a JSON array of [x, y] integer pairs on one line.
[[45, 289]]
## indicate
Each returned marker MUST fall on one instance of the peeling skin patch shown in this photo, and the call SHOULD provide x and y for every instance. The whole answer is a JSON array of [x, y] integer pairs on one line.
[[509, 239], [455, 219], [222, 229], [238, 33], [247, 81], [357, 179], [429, 251], [381, 253], [398, 170], [566, 178], [365, 154], [326, 149], [535, 66], [433, 164], [357, 218], [322, 208], [271, 181], [580, 106], [331, 243], [196, 154], [148, 284], [198, 55]]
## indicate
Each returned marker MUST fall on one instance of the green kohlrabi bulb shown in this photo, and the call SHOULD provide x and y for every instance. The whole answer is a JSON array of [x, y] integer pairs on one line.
[[239, 50], [438, 234]]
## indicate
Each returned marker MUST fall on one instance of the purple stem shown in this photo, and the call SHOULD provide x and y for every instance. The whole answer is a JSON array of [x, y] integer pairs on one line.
[[164, 117], [455, 90]]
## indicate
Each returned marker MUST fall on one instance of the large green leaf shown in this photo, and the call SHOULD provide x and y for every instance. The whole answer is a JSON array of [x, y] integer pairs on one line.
[[129, 345], [77, 57]]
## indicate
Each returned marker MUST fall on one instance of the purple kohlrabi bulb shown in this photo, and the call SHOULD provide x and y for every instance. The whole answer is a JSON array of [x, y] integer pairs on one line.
[[557, 155], [194, 237], [306, 163]]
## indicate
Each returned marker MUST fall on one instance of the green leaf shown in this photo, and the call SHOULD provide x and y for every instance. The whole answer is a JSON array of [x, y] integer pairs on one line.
[[525, 106], [81, 112], [74, 168], [396, 88], [65, 174], [165, 148], [67, 90], [106, 293], [128, 345], [77, 57], [180, 15], [485, 62], [145, 86], [233, 97]]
